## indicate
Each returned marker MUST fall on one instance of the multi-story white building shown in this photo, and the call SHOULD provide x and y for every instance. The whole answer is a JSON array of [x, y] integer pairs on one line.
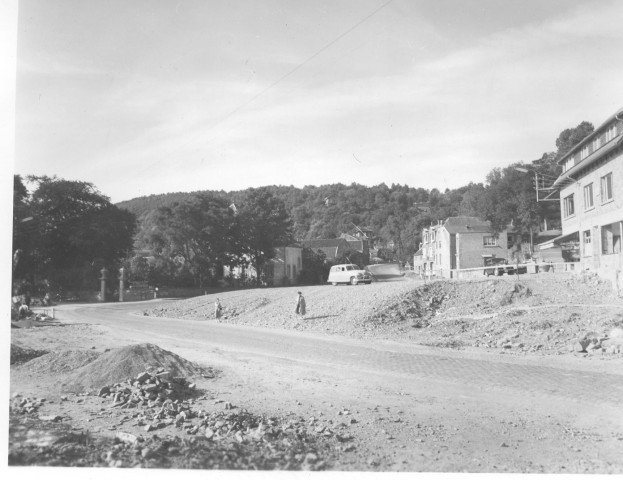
[[459, 243], [591, 200]]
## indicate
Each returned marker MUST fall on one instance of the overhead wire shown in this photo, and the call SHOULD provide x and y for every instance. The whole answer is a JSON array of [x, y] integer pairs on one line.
[[276, 82]]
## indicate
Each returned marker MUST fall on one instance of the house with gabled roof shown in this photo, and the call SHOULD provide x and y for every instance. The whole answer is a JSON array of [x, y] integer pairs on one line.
[[358, 243], [458, 243], [331, 247]]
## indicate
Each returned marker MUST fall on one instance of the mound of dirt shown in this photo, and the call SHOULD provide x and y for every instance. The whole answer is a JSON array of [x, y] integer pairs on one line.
[[22, 355], [542, 312], [64, 361], [120, 364]]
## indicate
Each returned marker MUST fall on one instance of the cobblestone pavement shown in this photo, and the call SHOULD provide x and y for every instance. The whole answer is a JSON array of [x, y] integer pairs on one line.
[[493, 372]]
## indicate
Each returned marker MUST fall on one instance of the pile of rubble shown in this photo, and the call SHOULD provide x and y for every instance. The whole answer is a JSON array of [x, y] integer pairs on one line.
[[25, 405], [231, 438], [595, 344], [148, 389]]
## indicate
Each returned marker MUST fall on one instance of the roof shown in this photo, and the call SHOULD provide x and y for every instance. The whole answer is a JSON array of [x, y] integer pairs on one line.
[[560, 239], [588, 138], [322, 242], [592, 158], [466, 225]]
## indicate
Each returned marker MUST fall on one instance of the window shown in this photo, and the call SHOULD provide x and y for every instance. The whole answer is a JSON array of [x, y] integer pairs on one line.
[[568, 206], [489, 241], [611, 133], [509, 240], [432, 236], [425, 237], [569, 164], [584, 153], [606, 188], [586, 242], [588, 196], [610, 239], [596, 143]]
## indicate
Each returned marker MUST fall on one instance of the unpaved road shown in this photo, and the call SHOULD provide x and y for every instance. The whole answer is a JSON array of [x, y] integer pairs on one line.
[[409, 408]]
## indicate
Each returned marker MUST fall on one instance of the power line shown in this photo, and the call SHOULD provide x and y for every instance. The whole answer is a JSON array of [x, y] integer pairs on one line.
[[288, 74]]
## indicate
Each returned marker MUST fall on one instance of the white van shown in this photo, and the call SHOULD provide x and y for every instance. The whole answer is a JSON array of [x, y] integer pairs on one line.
[[348, 273]]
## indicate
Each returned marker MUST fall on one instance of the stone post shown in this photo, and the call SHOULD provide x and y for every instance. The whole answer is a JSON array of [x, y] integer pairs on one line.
[[121, 283], [103, 279]]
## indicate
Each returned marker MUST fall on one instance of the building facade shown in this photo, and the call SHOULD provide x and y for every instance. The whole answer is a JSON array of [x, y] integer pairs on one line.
[[283, 269], [459, 243], [591, 200]]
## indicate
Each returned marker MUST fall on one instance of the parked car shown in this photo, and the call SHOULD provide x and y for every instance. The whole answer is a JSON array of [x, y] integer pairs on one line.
[[499, 266], [348, 273]]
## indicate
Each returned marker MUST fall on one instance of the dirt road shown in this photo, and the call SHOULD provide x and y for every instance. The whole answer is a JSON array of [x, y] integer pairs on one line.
[[407, 407]]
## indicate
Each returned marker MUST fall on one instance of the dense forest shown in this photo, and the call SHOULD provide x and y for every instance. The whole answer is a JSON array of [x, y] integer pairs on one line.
[[64, 232], [396, 213]]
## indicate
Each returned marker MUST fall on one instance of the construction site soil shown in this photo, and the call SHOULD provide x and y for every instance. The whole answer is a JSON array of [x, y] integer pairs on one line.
[[79, 401], [544, 313]]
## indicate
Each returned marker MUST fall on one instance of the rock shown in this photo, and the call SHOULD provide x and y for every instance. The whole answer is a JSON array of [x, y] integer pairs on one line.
[[209, 433], [616, 333], [126, 437], [103, 391], [580, 345], [141, 377], [148, 453], [592, 347], [50, 418]]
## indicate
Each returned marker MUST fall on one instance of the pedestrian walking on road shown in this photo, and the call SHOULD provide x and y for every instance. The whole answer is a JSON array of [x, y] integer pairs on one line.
[[300, 305], [217, 308]]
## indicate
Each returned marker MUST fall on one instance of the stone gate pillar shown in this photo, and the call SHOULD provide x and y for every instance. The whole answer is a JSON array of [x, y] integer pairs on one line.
[[103, 280], [121, 283]]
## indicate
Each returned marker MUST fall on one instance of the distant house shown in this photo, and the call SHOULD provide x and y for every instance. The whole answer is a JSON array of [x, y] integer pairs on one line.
[[283, 269], [358, 242], [591, 201], [331, 247], [418, 262], [459, 243], [286, 266]]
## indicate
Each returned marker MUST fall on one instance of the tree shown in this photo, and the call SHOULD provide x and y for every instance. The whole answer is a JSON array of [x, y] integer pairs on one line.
[[263, 224], [570, 137], [198, 235], [74, 231], [22, 227]]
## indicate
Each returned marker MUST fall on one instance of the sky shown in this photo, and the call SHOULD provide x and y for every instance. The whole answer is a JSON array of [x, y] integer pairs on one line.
[[144, 97]]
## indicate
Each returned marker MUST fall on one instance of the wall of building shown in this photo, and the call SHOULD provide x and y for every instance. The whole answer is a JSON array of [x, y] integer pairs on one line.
[[602, 220], [287, 265], [601, 213], [471, 249]]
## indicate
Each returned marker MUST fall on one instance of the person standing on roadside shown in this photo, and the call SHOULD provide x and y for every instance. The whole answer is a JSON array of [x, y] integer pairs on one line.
[[300, 305], [217, 308]]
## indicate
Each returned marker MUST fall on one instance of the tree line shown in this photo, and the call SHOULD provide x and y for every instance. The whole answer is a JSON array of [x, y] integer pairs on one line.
[[66, 231]]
